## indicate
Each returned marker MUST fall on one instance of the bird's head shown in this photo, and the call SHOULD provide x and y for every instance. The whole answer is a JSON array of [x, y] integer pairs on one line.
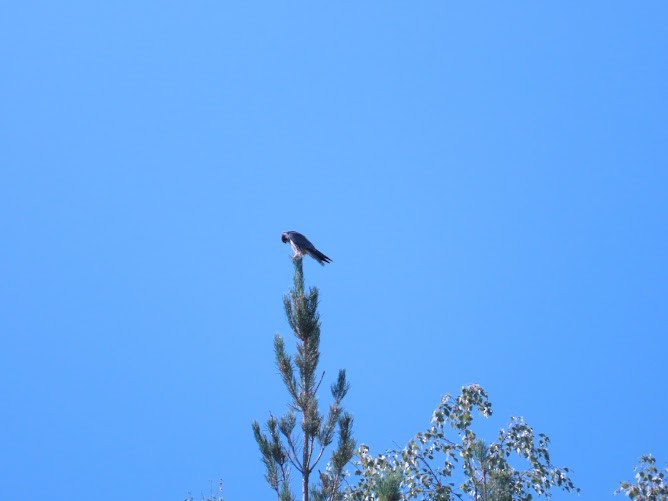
[[284, 237]]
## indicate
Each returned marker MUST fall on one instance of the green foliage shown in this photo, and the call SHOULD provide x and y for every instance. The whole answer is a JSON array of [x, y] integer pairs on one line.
[[299, 438], [388, 486], [491, 481], [427, 464], [650, 482]]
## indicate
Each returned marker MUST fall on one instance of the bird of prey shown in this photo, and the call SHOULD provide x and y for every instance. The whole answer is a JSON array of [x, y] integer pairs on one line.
[[301, 245]]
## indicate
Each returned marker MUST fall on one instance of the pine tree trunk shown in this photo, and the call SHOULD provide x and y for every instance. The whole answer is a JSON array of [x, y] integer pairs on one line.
[[306, 452], [305, 486]]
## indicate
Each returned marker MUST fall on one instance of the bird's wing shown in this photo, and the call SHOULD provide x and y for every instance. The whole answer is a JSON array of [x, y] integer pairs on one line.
[[300, 240]]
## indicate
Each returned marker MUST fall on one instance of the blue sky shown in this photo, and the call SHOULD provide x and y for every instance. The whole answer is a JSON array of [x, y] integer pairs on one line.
[[489, 179]]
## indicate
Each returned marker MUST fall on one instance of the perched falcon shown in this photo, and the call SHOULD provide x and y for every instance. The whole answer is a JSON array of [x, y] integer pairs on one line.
[[301, 245]]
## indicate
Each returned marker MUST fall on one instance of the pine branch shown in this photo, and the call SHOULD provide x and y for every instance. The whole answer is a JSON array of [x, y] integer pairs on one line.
[[285, 367]]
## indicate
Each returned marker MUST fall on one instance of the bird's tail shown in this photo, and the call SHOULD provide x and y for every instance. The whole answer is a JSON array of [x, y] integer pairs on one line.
[[319, 256]]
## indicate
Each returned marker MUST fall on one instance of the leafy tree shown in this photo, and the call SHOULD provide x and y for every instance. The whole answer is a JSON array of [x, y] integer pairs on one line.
[[284, 445], [650, 483], [427, 464]]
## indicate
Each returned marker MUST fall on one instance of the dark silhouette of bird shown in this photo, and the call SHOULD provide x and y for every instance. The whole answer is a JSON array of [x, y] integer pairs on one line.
[[301, 245]]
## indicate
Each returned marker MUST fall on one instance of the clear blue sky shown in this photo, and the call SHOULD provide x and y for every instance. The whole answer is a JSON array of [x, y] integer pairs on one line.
[[491, 181]]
